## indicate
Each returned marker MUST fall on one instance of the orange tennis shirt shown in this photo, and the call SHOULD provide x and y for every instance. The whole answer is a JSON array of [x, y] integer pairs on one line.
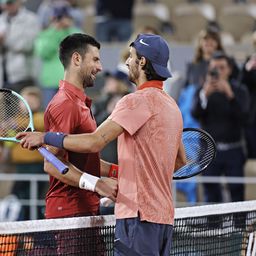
[[147, 150]]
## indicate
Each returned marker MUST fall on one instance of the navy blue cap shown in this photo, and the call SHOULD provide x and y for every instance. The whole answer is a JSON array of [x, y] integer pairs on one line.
[[156, 50], [60, 11]]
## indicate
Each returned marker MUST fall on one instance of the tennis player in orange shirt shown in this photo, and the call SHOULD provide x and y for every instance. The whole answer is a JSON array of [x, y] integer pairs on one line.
[[149, 127]]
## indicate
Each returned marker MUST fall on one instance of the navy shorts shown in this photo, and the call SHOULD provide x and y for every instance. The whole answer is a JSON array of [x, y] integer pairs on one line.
[[142, 238]]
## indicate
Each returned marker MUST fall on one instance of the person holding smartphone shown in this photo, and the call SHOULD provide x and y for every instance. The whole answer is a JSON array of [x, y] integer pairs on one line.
[[222, 107]]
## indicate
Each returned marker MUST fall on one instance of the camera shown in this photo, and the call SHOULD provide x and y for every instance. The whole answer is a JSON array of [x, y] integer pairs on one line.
[[214, 73]]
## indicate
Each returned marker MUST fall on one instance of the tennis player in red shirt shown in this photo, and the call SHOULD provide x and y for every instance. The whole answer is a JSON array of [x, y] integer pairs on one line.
[[149, 127], [70, 112]]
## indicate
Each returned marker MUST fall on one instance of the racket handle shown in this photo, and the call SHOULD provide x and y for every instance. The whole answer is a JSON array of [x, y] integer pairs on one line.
[[62, 168]]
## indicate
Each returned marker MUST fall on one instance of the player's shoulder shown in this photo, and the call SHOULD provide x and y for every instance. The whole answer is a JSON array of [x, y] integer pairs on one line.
[[134, 100], [61, 106]]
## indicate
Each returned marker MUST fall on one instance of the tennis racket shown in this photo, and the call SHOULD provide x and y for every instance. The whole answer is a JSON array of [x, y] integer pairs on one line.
[[200, 151], [16, 116]]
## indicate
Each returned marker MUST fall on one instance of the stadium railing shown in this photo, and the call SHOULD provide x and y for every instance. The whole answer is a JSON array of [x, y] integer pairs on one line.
[[33, 202]]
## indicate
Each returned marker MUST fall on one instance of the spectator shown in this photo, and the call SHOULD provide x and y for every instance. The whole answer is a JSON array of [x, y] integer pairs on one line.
[[249, 79], [46, 48], [115, 82], [18, 30], [222, 106], [46, 9], [208, 42], [114, 20]]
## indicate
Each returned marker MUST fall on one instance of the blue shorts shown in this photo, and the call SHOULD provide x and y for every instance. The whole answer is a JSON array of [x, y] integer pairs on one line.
[[142, 237]]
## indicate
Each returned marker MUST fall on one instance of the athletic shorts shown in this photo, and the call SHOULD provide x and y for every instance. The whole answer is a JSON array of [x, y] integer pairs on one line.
[[142, 238]]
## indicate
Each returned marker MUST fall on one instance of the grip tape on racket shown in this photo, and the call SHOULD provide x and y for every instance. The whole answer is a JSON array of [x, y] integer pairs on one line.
[[53, 160]]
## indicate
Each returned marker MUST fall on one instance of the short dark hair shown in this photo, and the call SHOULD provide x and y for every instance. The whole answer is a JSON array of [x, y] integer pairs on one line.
[[76, 42], [149, 70], [219, 55]]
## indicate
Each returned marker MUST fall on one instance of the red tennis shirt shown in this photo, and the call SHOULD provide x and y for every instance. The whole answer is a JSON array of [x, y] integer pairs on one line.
[[69, 111]]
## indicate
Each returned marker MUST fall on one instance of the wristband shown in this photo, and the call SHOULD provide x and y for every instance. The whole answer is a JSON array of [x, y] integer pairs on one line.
[[113, 171], [106, 202], [88, 182], [55, 139]]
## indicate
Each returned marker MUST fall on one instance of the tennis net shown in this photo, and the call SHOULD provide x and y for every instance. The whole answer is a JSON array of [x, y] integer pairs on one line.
[[221, 229]]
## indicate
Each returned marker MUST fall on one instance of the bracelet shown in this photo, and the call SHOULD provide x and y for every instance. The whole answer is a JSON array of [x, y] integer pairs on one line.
[[88, 182], [55, 139], [113, 171]]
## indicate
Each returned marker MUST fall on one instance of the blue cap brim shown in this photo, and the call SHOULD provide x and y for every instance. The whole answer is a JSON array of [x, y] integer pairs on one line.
[[161, 71]]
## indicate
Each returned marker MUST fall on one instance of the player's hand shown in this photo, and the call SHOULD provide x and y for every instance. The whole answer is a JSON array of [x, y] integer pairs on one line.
[[107, 187], [31, 140]]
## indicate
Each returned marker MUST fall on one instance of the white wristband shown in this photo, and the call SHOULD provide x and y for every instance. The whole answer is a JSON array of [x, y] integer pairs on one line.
[[106, 202], [88, 182]]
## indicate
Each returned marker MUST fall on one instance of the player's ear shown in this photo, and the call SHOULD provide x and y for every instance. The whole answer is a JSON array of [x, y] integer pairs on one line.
[[76, 58], [142, 61]]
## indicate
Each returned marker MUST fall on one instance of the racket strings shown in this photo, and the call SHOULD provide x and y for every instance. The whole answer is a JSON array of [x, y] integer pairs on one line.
[[200, 151], [14, 115]]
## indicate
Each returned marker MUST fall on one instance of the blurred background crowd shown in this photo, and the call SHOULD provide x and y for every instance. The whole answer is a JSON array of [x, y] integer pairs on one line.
[[213, 52]]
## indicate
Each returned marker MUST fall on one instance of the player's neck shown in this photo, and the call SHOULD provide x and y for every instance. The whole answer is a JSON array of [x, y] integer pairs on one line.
[[72, 80], [141, 80]]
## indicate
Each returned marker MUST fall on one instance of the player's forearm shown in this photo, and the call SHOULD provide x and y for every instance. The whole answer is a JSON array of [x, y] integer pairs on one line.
[[71, 178], [181, 158], [106, 187], [104, 168], [82, 143], [108, 169]]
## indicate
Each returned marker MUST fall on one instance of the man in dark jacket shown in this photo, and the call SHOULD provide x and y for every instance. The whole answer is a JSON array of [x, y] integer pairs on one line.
[[222, 107]]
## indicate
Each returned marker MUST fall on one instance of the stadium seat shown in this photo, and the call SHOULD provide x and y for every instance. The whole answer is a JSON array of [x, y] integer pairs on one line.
[[250, 171], [89, 21], [238, 19], [190, 18], [152, 14], [84, 3], [247, 38], [219, 4], [171, 4]]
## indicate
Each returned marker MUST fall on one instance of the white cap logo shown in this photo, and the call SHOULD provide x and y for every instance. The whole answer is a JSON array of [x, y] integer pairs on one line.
[[142, 42]]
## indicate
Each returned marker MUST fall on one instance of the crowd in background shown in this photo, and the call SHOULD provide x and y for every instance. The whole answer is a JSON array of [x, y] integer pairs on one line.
[[216, 93]]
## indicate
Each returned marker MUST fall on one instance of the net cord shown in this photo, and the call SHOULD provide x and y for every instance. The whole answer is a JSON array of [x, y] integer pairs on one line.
[[56, 224], [109, 220], [216, 209]]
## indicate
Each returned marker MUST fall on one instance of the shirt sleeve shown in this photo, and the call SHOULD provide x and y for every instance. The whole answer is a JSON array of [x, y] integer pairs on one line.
[[131, 112]]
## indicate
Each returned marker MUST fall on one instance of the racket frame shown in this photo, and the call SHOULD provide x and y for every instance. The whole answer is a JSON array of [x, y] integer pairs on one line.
[[206, 166], [62, 168]]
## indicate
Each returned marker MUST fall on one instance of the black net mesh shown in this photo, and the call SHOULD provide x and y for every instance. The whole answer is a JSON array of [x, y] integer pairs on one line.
[[225, 230]]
